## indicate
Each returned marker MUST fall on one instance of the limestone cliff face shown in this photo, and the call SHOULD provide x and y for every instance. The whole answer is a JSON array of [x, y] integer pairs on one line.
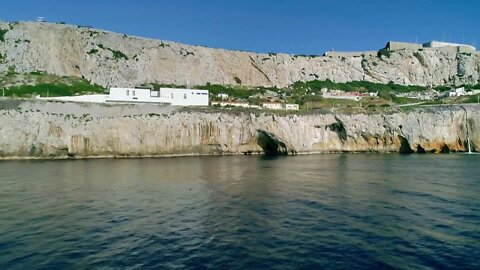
[[53, 129], [111, 59]]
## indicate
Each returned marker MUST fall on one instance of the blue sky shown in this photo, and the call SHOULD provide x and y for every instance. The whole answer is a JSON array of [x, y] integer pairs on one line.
[[289, 26]]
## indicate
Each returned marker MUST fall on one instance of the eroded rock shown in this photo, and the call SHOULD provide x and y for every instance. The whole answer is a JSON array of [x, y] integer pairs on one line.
[[52, 129]]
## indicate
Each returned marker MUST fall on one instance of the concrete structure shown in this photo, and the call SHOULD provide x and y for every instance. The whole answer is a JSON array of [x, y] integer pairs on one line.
[[339, 94], [418, 95], [395, 45], [292, 107], [350, 54], [164, 96], [186, 97], [82, 98], [223, 96], [272, 105], [457, 92], [136, 95], [459, 47], [447, 46], [234, 104]]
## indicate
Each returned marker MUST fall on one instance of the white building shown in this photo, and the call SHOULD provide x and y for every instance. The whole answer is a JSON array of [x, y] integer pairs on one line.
[[438, 44], [136, 95], [165, 96], [293, 107], [185, 97], [272, 105], [234, 104], [223, 96], [457, 92]]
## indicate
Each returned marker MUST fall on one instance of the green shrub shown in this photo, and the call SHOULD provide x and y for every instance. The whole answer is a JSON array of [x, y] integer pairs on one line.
[[92, 51], [37, 73], [383, 52], [54, 89], [2, 34], [11, 71], [118, 54], [115, 53], [443, 88], [360, 86], [232, 91]]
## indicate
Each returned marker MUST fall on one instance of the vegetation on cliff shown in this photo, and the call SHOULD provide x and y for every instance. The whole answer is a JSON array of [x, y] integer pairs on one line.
[[29, 85], [2, 34], [307, 94]]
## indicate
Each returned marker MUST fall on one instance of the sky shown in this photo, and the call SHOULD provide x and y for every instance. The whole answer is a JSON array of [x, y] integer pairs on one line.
[[280, 26]]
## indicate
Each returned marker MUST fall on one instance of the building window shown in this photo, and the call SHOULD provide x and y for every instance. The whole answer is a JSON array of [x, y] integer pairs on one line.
[[133, 92], [184, 96], [171, 95], [128, 92]]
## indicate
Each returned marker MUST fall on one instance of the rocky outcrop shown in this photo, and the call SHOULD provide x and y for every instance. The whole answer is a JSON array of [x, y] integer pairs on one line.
[[111, 59], [61, 130]]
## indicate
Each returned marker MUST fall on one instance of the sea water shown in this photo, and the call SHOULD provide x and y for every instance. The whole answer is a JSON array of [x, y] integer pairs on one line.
[[362, 211]]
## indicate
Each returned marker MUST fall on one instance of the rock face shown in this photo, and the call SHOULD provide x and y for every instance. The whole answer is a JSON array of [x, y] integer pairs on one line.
[[111, 59], [60, 130]]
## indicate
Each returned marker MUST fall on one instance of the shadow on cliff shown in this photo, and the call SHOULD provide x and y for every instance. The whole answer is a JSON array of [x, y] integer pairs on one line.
[[405, 147], [339, 128], [272, 145]]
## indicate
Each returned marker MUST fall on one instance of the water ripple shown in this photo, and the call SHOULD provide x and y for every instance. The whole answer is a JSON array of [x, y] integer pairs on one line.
[[304, 212]]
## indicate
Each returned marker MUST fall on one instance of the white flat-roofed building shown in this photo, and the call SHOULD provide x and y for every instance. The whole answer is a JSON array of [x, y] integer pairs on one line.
[[185, 97], [438, 44], [292, 106], [223, 96], [272, 105], [136, 95], [232, 104], [164, 96]]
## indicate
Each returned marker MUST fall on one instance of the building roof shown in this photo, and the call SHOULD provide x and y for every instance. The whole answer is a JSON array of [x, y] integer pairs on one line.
[[434, 43]]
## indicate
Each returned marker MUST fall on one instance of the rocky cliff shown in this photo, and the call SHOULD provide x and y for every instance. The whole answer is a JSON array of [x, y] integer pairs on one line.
[[59, 130], [111, 59]]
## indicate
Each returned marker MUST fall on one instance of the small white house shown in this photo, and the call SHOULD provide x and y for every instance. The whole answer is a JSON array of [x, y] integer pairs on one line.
[[232, 104], [457, 92], [272, 105], [223, 96], [293, 107]]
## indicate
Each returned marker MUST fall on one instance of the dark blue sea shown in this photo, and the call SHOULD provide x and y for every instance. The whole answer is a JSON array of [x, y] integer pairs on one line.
[[333, 211]]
